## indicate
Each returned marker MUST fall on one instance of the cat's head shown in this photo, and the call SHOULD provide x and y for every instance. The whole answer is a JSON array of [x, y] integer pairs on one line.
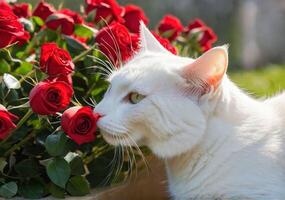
[[158, 99]]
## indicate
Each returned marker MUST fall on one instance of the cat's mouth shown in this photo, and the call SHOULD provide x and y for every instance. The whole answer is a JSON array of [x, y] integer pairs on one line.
[[114, 139]]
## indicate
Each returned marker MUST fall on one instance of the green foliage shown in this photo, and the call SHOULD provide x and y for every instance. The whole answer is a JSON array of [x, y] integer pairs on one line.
[[84, 31], [77, 166], [8, 190], [27, 168], [265, 81], [78, 186], [56, 191], [58, 170], [31, 189], [56, 144]]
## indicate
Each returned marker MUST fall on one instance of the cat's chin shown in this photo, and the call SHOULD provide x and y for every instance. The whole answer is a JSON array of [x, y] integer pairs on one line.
[[112, 139], [118, 139]]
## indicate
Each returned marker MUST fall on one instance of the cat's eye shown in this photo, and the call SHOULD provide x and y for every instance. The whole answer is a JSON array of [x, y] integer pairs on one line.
[[135, 97]]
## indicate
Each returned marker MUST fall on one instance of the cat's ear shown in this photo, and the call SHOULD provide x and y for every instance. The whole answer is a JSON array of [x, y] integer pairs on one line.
[[148, 42], [208, 70]]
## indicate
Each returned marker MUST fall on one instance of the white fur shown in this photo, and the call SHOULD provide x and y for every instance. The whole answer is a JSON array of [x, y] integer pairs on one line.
[[221, 145]]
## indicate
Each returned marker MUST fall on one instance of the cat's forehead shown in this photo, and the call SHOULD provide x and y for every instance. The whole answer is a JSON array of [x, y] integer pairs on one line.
[[147, 64], [148, 71]]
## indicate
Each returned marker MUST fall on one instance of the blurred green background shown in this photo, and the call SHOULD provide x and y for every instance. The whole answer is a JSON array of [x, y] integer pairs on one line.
[[253, 28]]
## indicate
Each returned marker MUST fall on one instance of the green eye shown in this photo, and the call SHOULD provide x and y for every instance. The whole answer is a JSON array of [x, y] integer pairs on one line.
[[135, 97]]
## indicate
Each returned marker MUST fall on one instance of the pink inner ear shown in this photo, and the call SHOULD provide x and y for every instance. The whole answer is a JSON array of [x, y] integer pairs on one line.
[[209, 68]]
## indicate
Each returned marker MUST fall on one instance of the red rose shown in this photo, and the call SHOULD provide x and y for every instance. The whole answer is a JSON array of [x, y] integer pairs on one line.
[[75, 16], [197, 23], [43, 10], [64, 22], [79, 123], [206, 35], [6, 122], [23, 39], [132, 16], [107, 10], [65, 78], [50, 97], [165, 43], [55, 61], [207, 39], [135, 42], [5, 6], [10, 28], [22, 10], [169, 27], [115, 42]]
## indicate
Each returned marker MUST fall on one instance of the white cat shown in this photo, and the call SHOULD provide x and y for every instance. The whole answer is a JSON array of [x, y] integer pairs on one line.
[[217, 142]]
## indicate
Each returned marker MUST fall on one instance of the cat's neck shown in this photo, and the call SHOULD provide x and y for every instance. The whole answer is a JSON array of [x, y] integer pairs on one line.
[[225, 149]]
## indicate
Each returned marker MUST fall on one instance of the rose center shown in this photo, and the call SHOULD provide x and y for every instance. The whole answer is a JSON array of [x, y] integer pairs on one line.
[[83, 125], [53, 96]]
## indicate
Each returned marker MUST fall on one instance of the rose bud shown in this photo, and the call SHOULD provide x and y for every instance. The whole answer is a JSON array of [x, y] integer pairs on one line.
[[43, 10], [55, 61], [75, 16], [106, 10], [79, 123], [6, 122], [50, 97], [169, 27], [197, 23], [115, 41], [206, 36], [10, 28], [165, 43], [132, 16], [22, 10], [60, 21]]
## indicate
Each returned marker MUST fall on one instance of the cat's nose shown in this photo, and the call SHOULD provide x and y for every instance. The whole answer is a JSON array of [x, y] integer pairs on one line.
[[98, 112]]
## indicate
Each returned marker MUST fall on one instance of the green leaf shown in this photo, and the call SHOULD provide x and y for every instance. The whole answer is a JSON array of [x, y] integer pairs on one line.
[[32, 190], [77, 166], [27, 168], [8, 190], [5, 54], [56, 191], [56, 144], [4, 66], [38, 20], [167, 34], [58, 171], [3, 164], [24, 68], [78, 186], [12, 96], [85, 31], [74, 44]]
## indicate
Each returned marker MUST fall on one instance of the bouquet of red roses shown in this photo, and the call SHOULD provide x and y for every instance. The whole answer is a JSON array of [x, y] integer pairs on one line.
[[53, 64]]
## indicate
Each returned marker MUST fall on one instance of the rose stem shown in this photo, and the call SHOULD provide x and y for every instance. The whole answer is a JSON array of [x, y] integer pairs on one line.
[[90, 90], [84, 53], [20, 123], [18, 145], [25, 76]]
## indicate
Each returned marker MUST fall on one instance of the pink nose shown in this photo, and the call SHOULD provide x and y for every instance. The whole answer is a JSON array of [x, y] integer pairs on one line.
[[98, 115]]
